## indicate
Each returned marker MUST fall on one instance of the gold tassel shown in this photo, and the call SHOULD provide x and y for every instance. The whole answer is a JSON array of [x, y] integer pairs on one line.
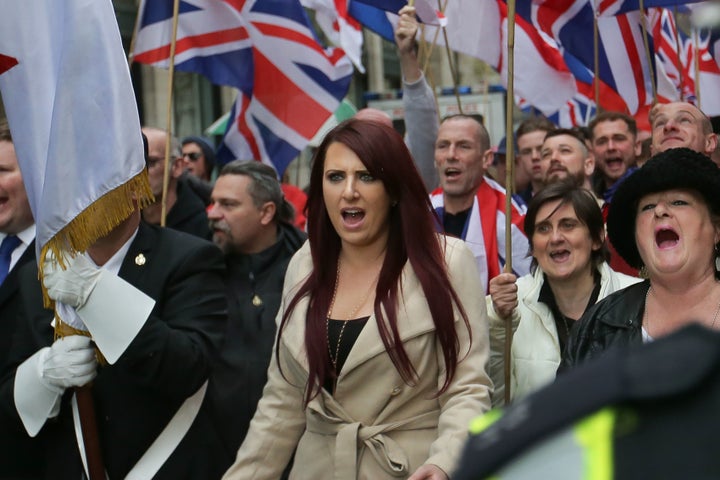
[[96, 221], [62, 329]]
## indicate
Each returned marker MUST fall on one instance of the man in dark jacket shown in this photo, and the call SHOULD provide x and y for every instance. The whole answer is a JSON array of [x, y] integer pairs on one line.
[[252, 223], [135, 292], [17, 247], [185, 209]]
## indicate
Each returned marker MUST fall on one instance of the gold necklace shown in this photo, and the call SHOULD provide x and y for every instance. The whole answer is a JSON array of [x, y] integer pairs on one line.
[[334, 359], [646, 321]]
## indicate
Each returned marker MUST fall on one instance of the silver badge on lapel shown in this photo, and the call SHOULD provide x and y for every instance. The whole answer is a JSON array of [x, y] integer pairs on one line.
[[140, 259]]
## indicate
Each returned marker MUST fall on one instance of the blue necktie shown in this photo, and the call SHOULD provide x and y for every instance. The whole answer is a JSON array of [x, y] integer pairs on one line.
[[7, 246]]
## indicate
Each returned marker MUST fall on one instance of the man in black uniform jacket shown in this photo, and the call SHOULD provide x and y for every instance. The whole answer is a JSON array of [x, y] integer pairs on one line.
[[152, 301]]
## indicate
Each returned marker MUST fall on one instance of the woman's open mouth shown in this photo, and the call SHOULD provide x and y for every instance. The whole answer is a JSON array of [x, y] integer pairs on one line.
[[666, 238]]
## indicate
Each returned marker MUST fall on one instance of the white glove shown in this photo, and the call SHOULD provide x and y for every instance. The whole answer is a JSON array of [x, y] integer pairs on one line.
[[69, 362], [73, 285]]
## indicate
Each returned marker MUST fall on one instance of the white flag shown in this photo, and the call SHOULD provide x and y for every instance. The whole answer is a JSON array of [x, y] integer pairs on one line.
[[73, 118]]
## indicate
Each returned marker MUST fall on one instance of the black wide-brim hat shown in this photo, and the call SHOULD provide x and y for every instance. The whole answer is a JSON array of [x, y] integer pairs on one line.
[[676, 168]]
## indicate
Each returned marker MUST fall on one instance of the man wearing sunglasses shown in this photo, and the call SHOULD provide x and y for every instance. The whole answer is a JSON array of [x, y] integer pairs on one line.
[[198, 157]]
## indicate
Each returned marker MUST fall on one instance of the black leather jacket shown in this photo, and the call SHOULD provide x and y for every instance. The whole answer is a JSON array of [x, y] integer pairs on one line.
[[613, 322]]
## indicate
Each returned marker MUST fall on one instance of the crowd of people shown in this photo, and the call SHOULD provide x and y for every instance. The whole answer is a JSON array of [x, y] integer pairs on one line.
[[361, 342]]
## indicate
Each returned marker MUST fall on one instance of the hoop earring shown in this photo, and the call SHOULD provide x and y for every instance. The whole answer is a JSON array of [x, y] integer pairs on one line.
[[717, 259], [643, 273]]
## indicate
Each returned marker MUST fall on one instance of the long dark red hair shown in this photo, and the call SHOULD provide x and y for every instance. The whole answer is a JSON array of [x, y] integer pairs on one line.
[[411, 237]]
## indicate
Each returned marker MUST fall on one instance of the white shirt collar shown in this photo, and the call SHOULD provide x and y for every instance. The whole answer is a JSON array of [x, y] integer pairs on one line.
[[113, 265]]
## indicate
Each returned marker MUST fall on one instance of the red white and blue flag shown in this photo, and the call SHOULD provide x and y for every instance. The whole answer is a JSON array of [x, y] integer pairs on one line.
[[339, 26], [288, 83], [423, 9], [615, 7], [624, 72], [705, 85], [671, 56]]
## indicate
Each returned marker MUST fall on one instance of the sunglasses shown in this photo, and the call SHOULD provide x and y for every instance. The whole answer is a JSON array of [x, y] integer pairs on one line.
[[193, 156]]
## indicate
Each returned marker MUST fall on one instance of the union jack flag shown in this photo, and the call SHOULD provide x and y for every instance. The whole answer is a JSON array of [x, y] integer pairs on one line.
[[289, 85], [423, 9], [670, 59], [374, 19], [615, 7], [703, 87], [339, 26], [678, 55], [624, 71]]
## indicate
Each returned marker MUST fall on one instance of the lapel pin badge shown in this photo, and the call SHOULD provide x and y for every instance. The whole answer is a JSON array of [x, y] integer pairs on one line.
[[140, 259]]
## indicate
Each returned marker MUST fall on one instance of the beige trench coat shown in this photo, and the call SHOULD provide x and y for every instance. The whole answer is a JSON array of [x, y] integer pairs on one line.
[[375, 426]]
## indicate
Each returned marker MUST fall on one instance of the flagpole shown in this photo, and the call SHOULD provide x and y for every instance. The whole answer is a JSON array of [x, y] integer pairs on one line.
[[425, 53], [453, 69], [677, 50], [643, 26], [509, 179], [136, 27], [89, 429], [596, 58], [696, 47], [168, 143]]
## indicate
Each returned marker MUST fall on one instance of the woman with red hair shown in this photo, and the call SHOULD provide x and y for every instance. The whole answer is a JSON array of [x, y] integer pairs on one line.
[[379, 360]]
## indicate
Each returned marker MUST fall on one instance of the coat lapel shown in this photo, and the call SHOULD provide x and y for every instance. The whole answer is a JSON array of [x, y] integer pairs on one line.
[[413, 319], [138, 255]]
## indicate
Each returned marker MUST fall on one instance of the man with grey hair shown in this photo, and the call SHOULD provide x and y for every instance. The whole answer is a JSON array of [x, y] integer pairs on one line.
[[185, 209], [252, 223]]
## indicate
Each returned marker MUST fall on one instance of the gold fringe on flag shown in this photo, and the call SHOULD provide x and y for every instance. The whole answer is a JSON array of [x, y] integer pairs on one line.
[[62, 329], [96, 221]]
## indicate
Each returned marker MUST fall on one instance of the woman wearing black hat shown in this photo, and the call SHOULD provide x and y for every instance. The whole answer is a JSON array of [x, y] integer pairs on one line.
[[664, 219]]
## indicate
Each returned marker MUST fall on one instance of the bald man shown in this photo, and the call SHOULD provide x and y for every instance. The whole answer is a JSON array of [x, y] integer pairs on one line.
[[681, 124], [374, 115]]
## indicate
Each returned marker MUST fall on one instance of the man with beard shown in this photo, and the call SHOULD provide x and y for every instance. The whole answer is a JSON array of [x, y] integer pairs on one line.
[[252, 223], [136, 292], [565, 155]]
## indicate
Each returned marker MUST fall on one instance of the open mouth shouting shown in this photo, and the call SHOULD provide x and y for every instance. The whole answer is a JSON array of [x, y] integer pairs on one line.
[[666, 238], [614, 164], [352, 217], [452, 173], [560, 256]]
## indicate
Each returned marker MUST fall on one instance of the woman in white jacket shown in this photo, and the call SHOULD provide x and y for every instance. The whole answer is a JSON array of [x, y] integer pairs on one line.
[[569, 274]]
